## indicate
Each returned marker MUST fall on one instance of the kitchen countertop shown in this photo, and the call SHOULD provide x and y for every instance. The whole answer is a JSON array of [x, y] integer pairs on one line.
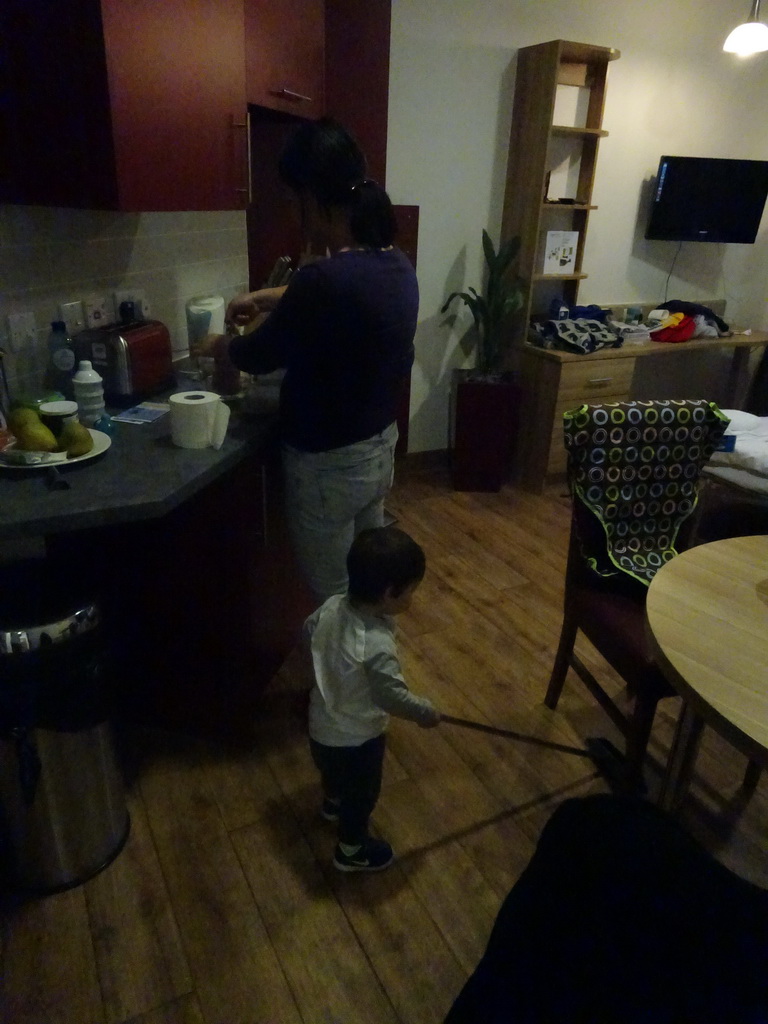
[[143, 475]]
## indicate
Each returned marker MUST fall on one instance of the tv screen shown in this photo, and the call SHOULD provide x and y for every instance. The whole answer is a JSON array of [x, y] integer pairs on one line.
[[703, 199]]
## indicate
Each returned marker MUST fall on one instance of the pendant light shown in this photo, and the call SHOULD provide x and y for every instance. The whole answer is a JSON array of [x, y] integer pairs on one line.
[[749, 38]]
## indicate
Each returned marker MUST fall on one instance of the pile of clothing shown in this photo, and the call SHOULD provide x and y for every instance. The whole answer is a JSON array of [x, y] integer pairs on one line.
[[577, 329], [589, 328], [679, 321]]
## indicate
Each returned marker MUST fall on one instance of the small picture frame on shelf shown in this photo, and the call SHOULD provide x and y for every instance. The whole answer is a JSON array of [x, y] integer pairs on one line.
[[560, 252]]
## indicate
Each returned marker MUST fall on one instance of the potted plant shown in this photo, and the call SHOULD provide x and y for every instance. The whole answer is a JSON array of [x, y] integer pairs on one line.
[[484, 401]]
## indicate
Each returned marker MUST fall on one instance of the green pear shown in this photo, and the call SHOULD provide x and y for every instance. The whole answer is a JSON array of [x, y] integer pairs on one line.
[[34, 436], [22, 417], [75, 438]]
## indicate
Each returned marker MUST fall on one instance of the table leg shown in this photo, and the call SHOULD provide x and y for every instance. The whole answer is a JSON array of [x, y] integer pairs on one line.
[[738, 378], [752, 776], [682, 757]]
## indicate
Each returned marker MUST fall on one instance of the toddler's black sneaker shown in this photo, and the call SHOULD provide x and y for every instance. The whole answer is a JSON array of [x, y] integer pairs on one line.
[[372, 855]]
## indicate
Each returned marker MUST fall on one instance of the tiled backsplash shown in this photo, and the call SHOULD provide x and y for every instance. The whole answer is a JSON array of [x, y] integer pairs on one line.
[[50, 256]]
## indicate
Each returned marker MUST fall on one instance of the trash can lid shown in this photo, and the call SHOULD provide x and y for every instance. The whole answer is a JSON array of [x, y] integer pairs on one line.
[[31, 638], [33, 592]]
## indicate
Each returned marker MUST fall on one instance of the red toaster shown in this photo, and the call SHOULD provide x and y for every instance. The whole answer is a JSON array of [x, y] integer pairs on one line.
[[134, 360]]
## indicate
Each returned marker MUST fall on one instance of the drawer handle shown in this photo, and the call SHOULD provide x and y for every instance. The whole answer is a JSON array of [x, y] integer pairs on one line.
[[289, 94], [600, 380]]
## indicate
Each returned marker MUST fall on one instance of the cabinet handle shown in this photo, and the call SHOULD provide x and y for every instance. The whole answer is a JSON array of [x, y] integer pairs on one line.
[[289, 94], [599, 380], [247, 125]]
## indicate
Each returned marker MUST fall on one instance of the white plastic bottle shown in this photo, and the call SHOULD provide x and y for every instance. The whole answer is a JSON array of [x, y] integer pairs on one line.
[[61, 359], [89, 393]]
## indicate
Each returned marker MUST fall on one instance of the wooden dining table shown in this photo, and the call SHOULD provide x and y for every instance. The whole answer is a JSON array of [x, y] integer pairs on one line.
[[707, 617]]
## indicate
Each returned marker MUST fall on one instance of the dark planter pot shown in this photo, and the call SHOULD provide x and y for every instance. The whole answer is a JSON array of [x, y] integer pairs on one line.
[[484, 430]]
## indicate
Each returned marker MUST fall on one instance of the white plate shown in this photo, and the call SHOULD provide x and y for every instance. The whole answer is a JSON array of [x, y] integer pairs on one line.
[[101, 442]]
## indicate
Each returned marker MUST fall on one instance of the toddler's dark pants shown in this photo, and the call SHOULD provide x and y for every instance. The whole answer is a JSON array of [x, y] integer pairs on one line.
[[351, 775]]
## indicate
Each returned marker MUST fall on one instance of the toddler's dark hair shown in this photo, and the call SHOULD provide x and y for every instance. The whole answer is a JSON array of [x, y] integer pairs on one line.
[[381, 559], [323, 159]]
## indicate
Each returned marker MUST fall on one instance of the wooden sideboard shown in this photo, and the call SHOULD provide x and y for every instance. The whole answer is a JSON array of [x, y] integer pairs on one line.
[[554, 381]]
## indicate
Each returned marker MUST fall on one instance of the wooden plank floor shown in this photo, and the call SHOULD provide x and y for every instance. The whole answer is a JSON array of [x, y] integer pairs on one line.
[[223, 907]]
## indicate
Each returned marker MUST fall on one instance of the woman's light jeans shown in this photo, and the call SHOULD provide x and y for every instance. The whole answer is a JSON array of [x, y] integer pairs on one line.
[[330, 498]]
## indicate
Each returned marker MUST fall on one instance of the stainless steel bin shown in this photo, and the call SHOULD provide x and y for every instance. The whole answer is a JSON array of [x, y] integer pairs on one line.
[[63, 813]]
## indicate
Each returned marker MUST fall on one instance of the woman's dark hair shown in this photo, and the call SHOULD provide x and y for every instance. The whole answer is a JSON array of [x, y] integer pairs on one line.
[[323, 159], [382, 559]]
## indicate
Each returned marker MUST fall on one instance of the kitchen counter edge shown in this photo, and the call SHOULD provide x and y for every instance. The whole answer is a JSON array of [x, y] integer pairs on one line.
[[141, 476]]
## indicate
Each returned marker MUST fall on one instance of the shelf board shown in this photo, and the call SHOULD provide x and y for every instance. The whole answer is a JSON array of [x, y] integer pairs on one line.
[[583, 133], [567, 206], [585, 53], [558, 277]]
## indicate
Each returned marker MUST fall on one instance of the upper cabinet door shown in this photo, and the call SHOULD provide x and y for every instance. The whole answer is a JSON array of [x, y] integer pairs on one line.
[[124, 104], [177, 97], [285, 55]]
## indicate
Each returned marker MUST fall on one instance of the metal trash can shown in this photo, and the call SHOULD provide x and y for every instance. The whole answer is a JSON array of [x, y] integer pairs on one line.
[[63, 815]]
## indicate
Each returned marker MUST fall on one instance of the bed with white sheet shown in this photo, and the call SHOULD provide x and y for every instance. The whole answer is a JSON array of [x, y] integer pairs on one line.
[[746, 466]]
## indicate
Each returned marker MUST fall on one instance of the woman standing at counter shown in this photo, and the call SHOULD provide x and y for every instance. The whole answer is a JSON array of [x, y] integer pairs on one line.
[[343, 330]]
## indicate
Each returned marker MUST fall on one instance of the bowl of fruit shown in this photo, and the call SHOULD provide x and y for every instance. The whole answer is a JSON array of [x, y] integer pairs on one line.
[[50, 434]]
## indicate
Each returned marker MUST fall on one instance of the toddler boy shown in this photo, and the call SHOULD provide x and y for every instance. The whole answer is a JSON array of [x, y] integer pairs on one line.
[[358, 684]]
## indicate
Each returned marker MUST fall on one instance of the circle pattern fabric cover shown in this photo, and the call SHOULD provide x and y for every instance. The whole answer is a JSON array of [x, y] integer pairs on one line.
[[636, 467]]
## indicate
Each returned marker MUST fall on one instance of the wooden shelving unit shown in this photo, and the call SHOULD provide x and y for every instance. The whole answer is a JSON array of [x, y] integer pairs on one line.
[[552, 78]]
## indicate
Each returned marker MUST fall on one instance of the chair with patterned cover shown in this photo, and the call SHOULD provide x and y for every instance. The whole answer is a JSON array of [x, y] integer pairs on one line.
[[633, 474]]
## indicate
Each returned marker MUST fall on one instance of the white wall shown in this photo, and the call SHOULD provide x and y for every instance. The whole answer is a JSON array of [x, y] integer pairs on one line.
[[672, 91]]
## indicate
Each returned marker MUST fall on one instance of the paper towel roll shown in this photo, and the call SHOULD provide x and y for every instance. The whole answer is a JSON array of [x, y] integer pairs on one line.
[[198, 419], [205, 315]]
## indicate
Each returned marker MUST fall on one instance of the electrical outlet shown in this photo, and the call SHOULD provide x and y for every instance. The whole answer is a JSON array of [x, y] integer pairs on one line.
[[72, 315], [135, 296], [99, 310], [22, 331]]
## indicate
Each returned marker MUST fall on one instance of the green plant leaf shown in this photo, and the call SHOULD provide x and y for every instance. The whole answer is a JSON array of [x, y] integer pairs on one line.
[[488, 249], [512, 303], [464, 296], [507, 253], [503, 296]]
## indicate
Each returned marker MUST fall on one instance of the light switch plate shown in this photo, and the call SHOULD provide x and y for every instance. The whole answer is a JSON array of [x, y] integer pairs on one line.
[[22, 331], [73, 316], [99, 310]]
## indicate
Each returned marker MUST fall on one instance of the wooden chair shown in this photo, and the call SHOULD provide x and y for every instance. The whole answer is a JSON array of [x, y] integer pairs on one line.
[[633, 474]]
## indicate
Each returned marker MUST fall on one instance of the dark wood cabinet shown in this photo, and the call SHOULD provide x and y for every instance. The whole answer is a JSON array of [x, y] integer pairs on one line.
[[356, 48], [216, 605], [285, 55], [143, 105], [126, 106], [201, 606], [357, 74], [178, 103]]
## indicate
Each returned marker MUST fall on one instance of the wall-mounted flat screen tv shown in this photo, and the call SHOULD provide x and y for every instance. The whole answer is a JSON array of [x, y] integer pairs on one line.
[[703, 199]]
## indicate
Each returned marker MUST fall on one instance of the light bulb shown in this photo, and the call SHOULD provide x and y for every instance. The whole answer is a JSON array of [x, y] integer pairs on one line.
[[749, 38]]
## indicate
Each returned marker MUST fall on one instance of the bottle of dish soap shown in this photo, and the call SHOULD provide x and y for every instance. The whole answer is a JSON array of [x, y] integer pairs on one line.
[[61, 360], [89, 393]]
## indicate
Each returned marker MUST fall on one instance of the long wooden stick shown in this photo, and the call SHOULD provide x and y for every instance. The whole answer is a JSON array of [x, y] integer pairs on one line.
[[467, 724]]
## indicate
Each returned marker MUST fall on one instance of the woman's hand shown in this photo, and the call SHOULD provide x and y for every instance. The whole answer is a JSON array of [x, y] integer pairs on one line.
[[244, 309], [213, 346]]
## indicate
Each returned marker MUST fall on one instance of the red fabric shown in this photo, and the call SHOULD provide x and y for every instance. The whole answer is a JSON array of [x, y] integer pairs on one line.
[[680, 332]]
